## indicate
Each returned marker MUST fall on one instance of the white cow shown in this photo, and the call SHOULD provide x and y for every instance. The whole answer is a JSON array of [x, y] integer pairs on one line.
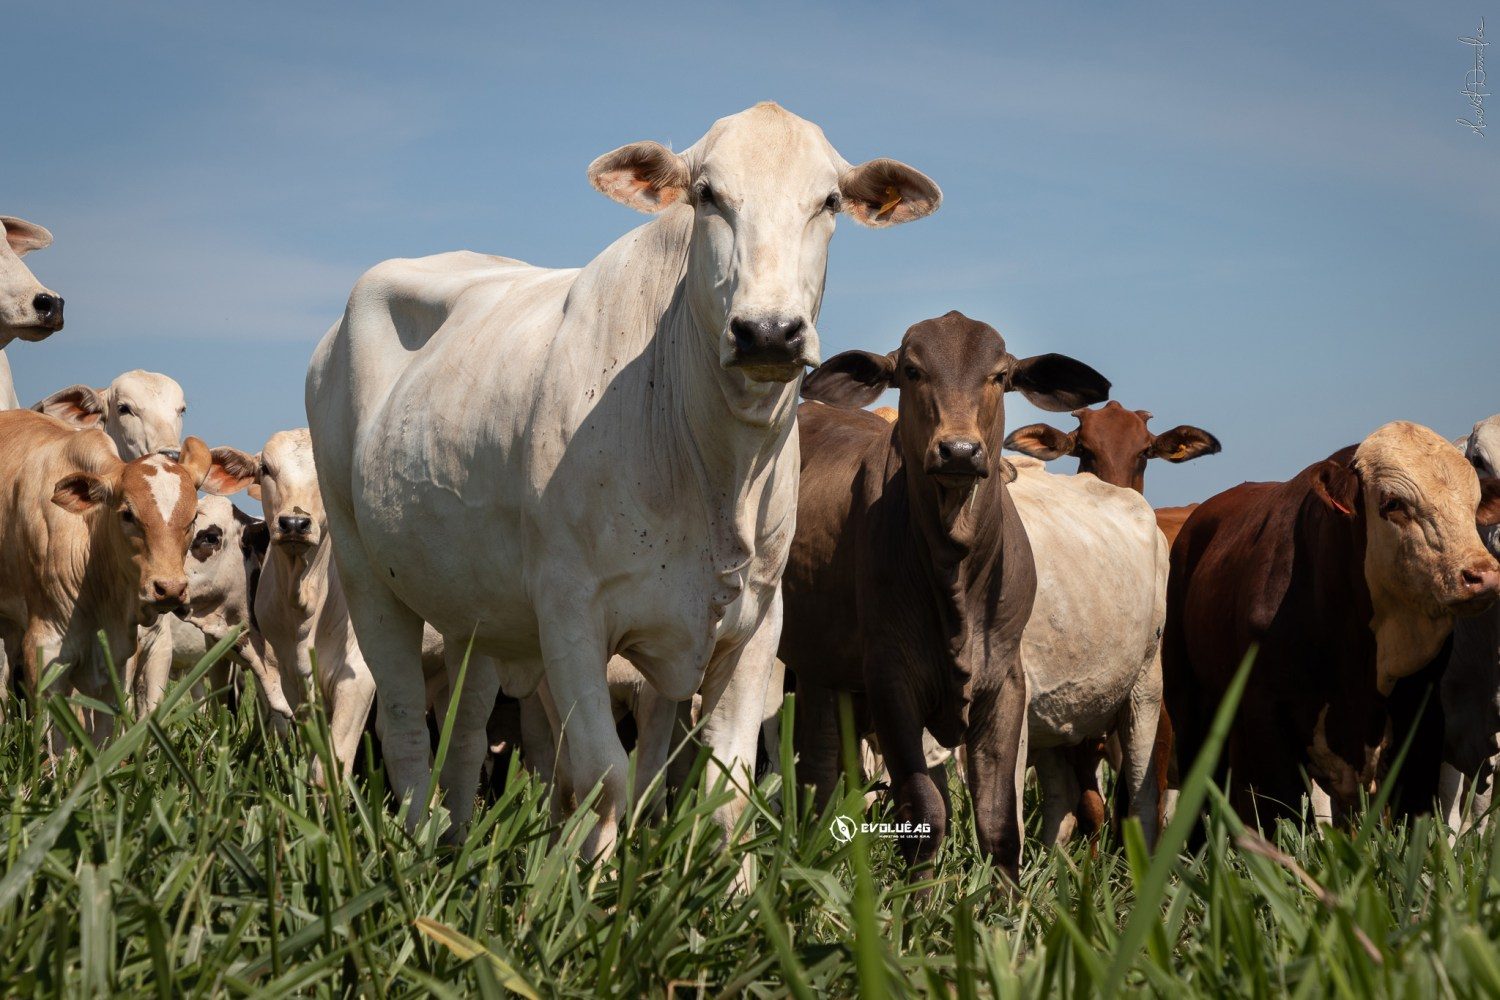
[[1092, 648], [27, 310], [1471, 685], [142, 413], [577, 463]]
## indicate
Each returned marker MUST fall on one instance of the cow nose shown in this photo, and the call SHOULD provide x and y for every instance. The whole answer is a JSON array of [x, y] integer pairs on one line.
[[171, 453], [776, 340], [49, 307], [169, 591], [291, 524], [962, 455], [1481, 581]]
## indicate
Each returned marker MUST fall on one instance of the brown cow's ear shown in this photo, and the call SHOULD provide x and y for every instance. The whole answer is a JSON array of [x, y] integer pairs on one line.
[[229, 471], [1183, 443], [645, 176], [81, 492], [1056, 382], [1337, 485], [1041, 441], [78, 405], [850, 380], [1489, 502], [887, 192], [24, 236], [1008, 472]]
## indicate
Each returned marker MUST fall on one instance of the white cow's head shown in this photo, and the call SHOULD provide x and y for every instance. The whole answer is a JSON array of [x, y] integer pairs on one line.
[[1483, 451], [27, 310], [140, 411], [765, 187], [286, 484]]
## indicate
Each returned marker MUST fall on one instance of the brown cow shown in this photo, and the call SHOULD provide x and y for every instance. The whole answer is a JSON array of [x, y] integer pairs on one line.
[[89, 544], [910, 577], [1348, 578], [1114, 444]]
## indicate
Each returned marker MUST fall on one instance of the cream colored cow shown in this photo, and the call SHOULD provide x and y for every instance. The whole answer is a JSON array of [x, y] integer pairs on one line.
[[28, 311]]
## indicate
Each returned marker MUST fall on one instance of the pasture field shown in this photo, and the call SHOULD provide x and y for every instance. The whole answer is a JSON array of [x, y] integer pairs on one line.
[[192, 857]]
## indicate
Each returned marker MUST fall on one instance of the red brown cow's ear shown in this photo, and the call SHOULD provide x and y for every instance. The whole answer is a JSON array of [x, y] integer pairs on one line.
[[1183, 443], [1041, 441], [1489, 502], [850, 380], [81, 492], [231, 470], [78, 405], [1337, 485]]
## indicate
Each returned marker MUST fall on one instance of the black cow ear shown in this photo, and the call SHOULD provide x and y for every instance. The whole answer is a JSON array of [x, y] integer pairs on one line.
[[1337, 486], [1041, 441], [1057, 382], [1183, 443], [1489, 502], [850, 380]]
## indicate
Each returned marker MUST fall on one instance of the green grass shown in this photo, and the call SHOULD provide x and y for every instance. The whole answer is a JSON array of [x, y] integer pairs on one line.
[[193, 857]]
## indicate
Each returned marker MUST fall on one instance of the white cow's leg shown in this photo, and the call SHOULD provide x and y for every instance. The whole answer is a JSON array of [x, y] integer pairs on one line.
[[1060, 792], [1322, 805], [734, 706], [5, 687], [551, 761], [42, 649], [350, 695], [589, 750], [153, 666], [469, 742], [770, 729], [1138, 764], [1451, 795], [656, 724], [390, 635]]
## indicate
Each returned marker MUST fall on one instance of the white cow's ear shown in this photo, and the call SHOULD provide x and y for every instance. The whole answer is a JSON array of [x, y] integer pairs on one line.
[[887, 192], [229, 471], [646, 176], [81, 492], [78, 405], [24, 236]]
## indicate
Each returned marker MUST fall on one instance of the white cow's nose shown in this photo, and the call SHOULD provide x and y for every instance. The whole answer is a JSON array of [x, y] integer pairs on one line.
[[776, 340]]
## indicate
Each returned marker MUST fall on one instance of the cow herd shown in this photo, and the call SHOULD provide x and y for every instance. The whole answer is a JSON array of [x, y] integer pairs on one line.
[[594, 490]]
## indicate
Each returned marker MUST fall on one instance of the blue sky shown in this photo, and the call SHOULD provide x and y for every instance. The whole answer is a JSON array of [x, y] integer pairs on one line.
[[1265, 222]]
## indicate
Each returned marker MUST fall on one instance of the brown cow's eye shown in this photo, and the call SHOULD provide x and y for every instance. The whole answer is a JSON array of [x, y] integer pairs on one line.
[[1392, 506], [127, 516], [911, 373]]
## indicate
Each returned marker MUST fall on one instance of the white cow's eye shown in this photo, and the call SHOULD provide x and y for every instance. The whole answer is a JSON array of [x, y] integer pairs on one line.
[[832, 203], [706, 196], [125, 410]]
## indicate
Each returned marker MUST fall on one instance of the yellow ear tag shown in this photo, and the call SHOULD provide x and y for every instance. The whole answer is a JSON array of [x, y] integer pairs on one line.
[[893, 198]]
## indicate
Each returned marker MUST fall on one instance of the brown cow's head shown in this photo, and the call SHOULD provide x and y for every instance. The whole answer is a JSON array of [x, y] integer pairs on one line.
[[150, 504], [1113, 443], [953, 373], [27, 310]]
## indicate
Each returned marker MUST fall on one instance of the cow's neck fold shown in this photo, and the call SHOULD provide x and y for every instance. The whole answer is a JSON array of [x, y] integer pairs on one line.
[[108, 585], [299, 574]]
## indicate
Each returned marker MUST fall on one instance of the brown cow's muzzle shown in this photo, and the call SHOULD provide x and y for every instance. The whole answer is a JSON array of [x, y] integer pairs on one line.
[[1479, 589], [957, 461], [163, 595]]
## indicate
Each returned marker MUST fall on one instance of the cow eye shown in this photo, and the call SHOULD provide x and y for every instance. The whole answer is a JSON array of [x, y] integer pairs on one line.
[[125, 409], [1392, 506], [911, 373], [181, 410], [127, 516], [832, 203], [706, 195]]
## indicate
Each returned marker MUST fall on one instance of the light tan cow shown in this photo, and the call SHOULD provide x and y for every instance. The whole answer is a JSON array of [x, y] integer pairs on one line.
[[89, 544], [300, 610], [28, 311], [142, 413]]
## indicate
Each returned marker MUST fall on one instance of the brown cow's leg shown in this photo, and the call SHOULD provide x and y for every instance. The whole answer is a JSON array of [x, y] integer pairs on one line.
[[1168, 781], [815, 733], [996, 747], [916, 796]]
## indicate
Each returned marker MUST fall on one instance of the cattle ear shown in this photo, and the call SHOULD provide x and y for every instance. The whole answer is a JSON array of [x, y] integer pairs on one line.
[[255, 539], [228, 470], [1183, 443], [1057, 382], [78, 405], [1337, 485], [1489, 502], [850, 380], [886, 192], [1041, 441], [1008, 472], [24, 236], [645, 176], [81, 492]]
